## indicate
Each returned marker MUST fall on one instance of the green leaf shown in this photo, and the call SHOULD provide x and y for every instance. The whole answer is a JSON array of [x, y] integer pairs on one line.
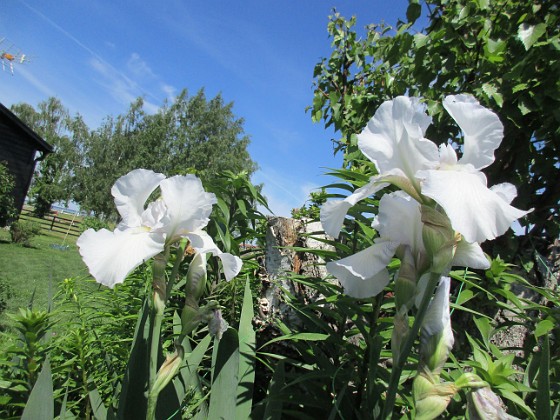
[[529, 34], [133, 402], [543, 327], [188, 375], [193, 359], [273, 410], [247, 356], [543, 390], [225, 362], [485, 328], [298, 336], [413, 12], [99, 410], [420, 40], [483, 4], [40, 404]]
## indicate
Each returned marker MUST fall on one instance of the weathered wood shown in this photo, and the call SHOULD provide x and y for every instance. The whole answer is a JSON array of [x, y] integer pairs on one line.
[[281, 260]]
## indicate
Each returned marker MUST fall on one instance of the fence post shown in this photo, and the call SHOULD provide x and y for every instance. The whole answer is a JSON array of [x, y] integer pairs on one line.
[[53, 220]]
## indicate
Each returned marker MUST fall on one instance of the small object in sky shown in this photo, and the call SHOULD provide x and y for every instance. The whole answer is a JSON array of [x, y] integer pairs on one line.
[[9, 58]]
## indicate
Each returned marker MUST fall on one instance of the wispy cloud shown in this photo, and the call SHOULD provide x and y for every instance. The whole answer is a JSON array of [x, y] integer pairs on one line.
[[122, 88], [280, 192], [120, 85], [138, 67], [40, 86]]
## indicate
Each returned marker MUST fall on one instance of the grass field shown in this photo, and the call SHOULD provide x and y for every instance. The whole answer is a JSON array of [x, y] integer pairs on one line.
[[35, 272]]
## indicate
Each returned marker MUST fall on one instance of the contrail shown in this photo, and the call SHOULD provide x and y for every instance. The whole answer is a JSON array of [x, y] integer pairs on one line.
[[85, 47]]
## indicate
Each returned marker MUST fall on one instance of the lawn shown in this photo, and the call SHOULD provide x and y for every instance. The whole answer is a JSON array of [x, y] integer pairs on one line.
[[34, 273]]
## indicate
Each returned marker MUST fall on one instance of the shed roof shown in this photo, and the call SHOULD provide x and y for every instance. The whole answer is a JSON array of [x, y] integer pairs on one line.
[[41, 144]]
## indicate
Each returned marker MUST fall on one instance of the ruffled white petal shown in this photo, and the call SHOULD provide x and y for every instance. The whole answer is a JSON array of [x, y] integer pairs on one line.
[[332, 216], [364, 274], [400, 221], [131, 192], [231, 264], [506, 191], [204, 244], [394, 137], [111, 256], [359, 288], [188, 205], [482, 129], [475, 211], [333, 212], [470, 255]]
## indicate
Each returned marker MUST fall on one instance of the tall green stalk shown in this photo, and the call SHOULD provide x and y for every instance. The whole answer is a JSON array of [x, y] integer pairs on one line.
[[156, 318], [162, 291], [407, 347]]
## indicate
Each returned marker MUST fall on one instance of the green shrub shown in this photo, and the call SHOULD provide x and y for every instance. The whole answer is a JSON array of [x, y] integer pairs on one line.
[[7, 184], [22, 231], [6, 293], [93, 223]]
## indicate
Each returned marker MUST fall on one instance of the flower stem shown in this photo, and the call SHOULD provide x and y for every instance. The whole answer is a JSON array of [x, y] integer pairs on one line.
[[156, 317], [407, 347], [179, 255]]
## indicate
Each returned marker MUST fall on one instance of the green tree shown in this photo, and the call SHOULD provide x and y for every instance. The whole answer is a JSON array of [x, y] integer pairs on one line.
[[190, 134], [54, 177], [7, 185], [504, 52]]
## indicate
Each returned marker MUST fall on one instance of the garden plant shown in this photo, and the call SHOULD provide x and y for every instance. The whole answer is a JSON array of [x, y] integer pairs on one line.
[[416, 311]]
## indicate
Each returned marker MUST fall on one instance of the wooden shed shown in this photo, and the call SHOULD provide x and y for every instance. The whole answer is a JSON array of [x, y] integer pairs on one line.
[[21, 148]]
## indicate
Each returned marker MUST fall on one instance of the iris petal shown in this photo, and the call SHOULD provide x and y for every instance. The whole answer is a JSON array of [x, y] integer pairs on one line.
[[189, 206], [399, 220], [393, 138], [111, 256], [475, 211], [482, 129], [333, 212], [470, 255], [364, 274], [203, 243], [131, 192]]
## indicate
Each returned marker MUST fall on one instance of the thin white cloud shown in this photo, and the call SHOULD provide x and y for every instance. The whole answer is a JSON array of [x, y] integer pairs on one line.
[[169, 91], [123, 89], [121, 82], [40, 86], [138, 67], [280, 192]]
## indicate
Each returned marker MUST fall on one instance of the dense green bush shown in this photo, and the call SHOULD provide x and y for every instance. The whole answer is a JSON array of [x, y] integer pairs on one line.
[[92, 222], [6, 293], [23, 231], [7, 184]]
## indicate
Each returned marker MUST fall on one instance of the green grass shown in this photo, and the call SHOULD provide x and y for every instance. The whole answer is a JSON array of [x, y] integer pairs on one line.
[[35, 272]]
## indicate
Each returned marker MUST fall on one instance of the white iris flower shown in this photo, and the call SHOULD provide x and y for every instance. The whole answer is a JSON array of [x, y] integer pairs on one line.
[[183, 211], [394, 141]]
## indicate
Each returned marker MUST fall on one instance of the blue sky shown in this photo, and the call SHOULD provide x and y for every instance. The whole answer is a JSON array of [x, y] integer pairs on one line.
[[98, 56]]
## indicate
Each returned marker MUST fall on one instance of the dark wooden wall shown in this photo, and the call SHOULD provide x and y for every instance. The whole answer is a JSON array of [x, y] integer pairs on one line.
[[19, 150]]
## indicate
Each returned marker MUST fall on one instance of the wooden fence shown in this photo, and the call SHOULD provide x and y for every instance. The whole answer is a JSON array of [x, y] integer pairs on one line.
[[59, 223]]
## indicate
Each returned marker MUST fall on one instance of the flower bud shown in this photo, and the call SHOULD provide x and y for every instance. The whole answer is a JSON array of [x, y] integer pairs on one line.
[[193, 315], [405, 283], [217, 325], [439, 238], [400, 333], [482, 403], [431, 397], [436, 337], [168, 369], [196, 277]]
